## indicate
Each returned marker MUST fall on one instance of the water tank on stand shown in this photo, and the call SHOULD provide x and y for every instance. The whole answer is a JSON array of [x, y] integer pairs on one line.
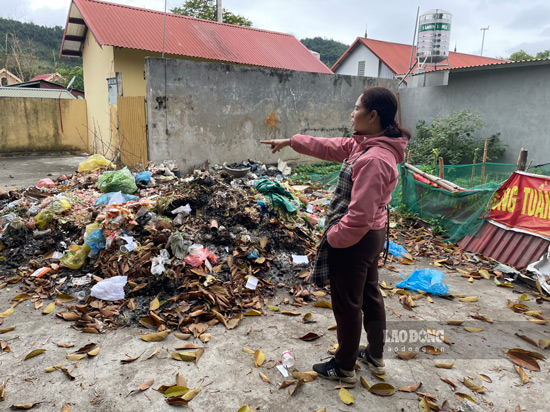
[[434, 37]]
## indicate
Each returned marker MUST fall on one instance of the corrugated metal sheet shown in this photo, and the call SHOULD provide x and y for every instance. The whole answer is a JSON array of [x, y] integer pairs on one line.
[[506, 246], [136, 28], [397, 56], [35, 93]]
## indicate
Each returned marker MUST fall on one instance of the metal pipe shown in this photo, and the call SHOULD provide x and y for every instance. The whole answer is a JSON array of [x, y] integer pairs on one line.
[[164, 33]]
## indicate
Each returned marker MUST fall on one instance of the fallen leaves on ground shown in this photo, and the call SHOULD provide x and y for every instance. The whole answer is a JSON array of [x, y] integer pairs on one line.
[[382, 389], [259, 358], [143, 387], [346, 396], [155, 337], [34, 353]]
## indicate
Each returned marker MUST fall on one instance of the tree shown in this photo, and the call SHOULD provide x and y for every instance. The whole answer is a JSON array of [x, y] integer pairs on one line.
[[330, 50], [206, 9], [75, 72], [520, 55], [453, 137], [543, 55]]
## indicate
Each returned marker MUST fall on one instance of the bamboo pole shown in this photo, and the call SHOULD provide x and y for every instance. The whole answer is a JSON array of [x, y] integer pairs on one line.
[[474, 168], [431, 178], [398, 108], [409, 156], [441, 168], [522, 159], [485, 149], [528, 167]]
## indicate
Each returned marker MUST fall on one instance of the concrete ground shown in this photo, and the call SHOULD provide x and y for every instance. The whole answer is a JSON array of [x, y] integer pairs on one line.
[[228, 378], [19, 171]]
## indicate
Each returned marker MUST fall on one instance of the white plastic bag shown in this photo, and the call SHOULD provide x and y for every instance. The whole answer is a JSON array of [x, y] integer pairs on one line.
[[110, 288], [157, 267]]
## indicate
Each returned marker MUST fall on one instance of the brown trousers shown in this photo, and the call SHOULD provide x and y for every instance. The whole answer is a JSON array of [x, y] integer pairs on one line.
[[354, 288]]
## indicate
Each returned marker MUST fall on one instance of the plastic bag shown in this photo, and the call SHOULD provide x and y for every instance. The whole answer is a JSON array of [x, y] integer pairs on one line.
[[43, 218], [427, 280], [397, 250], [110, 288], [157, 268], [75, 260], [117, 181], [178, 245], [143, 178], [93, 162], [47, 182], [114, 197], [198, 255], [60, 205], [96, 241]]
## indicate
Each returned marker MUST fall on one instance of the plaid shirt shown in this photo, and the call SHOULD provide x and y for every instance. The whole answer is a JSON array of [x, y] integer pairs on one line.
[[338, 209]]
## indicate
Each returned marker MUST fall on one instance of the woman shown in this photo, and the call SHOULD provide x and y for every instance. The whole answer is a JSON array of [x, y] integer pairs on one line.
[[354, 236]]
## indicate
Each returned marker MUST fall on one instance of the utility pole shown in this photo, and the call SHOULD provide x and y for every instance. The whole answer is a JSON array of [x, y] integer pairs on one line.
[[219, 11], [484, 29]]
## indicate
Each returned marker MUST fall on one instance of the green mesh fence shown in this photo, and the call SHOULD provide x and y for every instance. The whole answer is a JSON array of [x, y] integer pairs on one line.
[[459, 213]]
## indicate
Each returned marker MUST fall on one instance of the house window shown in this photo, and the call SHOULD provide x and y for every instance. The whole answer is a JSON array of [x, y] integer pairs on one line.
[[4, 81], [361, 68]]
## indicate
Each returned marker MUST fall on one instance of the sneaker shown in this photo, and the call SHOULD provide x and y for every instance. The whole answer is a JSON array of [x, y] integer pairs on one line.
[[330, 370], [376, 365]]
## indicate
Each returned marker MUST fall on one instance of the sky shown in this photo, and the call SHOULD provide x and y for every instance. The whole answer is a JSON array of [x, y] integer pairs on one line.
[[513, 24]]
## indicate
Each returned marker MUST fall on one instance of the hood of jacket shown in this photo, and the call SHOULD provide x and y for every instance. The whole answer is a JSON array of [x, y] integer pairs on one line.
[[396, 145]]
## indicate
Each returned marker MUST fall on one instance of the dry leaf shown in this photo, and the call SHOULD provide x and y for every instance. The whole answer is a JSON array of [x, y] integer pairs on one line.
[[153, 354], [6, 330], [332, 327], [450, 382], [65, 345], [298, 384], [469, 299], [7, 313], [382, 389], [411, 388], [205, 337], [309, 337], [429, 299], [264, 378], [180, 380], [444, 365], [288, 313], [524, 360], [305, 376], [143, 387], [319, 293], [50, 369], [154, 304], [22, 406], [175, 391], [523, 376], [246, 350], [287, 383], [461, 396], [184, 356], [245, 408], [259, 358], [424, 406], [544, 343], [65, 408], [345, 386], [253, 312], [273, 308], [455, 322], [485, 378], [129, 360], [527, 339], [155, 337], [198, 354], [364, 383], [49, 309], [75, 357], [34, 353], [3, 391], [472, 329], [94, 352], [65, 298], [308, 318], [323, 304], [473, 387], [406, 355], [430, 350], [191, 394], [182, 336], [346, 396]]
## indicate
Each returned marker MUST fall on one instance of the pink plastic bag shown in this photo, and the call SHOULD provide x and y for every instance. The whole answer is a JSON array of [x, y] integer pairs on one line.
[[47, 182], [198, 255]]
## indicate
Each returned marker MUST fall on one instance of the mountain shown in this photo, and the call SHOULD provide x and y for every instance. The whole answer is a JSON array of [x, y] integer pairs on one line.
[[27, 49], [330, 50]]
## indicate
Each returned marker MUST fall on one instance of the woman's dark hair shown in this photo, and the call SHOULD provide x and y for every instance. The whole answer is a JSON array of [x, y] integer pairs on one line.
[[384, 102]]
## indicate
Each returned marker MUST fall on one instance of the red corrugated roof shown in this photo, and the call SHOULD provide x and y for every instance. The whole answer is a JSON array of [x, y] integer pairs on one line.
[[42, 77], [507, 246], [137, 28], [398, 56]]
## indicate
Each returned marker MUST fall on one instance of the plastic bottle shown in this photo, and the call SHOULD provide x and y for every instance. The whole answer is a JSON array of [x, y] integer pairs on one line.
[[287, 359]]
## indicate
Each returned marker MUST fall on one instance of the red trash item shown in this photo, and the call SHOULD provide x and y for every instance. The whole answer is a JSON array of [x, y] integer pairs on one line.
[[47, 182], [198, 256]]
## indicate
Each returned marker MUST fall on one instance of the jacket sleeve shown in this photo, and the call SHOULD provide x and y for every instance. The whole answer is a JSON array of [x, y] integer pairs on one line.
[[335, 149], [370, 185]]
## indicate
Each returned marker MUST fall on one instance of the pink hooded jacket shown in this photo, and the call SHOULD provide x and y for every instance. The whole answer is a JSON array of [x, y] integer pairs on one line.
[[374, 178]]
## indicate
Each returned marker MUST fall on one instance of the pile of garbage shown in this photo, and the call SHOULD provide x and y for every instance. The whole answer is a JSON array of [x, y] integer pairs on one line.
[[162, 249]]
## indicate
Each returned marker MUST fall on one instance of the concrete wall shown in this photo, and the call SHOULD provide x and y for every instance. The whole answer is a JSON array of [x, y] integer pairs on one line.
[[511, 100], [34, 125], [219, 113]]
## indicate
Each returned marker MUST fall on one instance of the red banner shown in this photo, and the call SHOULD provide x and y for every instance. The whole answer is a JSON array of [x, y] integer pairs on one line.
[[523, 202]]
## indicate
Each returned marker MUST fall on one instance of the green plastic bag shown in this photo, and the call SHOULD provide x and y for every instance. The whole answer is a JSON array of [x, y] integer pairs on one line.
[[43, 218], [279, 196], [117, 181]]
